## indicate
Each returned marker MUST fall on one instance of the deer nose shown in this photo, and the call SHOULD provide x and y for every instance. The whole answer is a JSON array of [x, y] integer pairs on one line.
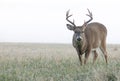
[[79, 39]]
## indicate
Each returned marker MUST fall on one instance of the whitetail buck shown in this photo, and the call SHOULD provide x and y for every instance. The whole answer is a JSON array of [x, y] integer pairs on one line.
[[87, 37]]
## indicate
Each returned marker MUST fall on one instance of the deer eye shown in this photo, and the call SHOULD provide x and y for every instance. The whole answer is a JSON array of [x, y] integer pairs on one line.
[[77, 32]]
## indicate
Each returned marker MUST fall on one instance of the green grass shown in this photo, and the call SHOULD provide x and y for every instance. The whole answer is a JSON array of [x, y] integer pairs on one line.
[[41, 69]]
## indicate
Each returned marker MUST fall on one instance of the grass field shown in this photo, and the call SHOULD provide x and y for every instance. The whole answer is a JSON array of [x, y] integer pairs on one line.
[[55, 62]]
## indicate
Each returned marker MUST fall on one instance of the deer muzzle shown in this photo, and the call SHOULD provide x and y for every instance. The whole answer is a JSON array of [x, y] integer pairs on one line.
[[79, 38]]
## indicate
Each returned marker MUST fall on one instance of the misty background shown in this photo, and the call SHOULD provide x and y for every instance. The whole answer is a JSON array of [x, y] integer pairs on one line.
[[43, 21]]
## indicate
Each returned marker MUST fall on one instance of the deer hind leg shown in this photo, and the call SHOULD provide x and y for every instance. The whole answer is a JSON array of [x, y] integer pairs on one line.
[[95, 56], [103, 49]]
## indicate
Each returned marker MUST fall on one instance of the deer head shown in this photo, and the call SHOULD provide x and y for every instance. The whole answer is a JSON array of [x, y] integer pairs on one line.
[[78, 30]]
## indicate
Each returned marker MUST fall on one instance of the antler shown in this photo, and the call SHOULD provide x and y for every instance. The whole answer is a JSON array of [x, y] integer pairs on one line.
[[67, 16], [90, 15]]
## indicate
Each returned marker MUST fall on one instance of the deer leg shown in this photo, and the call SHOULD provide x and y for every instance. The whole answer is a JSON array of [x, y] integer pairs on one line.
[[103, 49], [80, 58], [79, 55], [105, 53], [86, 56], [95, 56]]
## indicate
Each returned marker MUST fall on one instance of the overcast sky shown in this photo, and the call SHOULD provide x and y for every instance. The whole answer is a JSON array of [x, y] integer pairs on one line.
[[44, 21]]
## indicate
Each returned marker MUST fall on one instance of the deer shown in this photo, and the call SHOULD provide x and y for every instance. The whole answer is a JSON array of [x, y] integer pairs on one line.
[[88, 37]]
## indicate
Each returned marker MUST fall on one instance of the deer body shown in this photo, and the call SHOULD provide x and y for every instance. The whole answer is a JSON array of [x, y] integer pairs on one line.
[[88, 37]]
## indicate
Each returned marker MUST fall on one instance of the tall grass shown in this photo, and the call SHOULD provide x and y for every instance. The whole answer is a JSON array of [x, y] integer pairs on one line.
[[30, 62], [41, 69]]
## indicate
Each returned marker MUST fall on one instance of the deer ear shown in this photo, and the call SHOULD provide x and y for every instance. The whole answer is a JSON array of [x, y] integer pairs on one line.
[[70, 27]]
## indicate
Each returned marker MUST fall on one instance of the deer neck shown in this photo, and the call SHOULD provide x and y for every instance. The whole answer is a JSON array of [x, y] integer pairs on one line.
[[82, 45]]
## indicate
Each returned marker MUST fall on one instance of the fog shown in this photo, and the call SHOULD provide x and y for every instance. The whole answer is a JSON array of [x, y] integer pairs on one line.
[[43, 21]]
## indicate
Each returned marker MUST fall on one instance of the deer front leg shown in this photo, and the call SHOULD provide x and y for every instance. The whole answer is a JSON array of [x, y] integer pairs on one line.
[[80, 56]]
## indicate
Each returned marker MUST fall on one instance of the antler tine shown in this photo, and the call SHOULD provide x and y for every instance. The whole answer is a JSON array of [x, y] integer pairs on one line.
[[67, 16], [90, 15]]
